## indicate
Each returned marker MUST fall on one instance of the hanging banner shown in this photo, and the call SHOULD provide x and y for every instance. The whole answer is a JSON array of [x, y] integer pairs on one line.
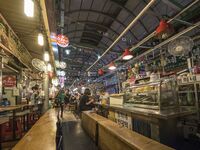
[[62, 40], [9, 81]]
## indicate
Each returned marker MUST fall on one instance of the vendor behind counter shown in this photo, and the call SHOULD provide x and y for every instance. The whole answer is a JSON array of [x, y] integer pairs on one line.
[[86, 101], [5, 101]]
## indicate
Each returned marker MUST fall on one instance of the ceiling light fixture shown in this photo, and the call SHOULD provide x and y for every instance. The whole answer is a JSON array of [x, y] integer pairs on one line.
[[29, 8], [46, 56], [112, 66], [40, 39], [67, 51], [100, 72], [49, 68], [127, 55], [75, 89], [164, 30]]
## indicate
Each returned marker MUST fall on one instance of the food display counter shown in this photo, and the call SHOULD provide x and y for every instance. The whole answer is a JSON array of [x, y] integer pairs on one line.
[[110, 135], [157, 95], [153, 109], [164, 126]]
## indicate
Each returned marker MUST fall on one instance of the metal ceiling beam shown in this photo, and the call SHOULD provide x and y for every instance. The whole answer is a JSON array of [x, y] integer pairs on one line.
[[92, 39], [131, 13], [173, 4], [170, 20], [167, 41], [90, 32], [94, 47], [125, 31], [103, 14], [82, 56], [96, 24]]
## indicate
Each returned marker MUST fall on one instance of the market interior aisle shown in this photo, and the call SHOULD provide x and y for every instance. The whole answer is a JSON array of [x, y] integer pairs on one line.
[[74, 137], [69, 116]]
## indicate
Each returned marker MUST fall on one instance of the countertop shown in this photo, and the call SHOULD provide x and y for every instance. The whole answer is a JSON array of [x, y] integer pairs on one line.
[[160, 114], [42, 135], [131, 138], [13, 107]]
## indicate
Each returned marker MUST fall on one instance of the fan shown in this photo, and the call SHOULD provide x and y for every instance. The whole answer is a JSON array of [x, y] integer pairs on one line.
[[180, 46], [38, 64]]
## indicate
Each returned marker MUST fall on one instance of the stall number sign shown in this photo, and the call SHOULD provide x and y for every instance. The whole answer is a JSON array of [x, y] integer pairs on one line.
[[9, 81], [62, 40]]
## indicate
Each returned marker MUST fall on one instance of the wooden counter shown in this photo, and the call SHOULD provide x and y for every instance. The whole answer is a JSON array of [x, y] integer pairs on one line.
[[8, 108], [14, 107], [89, 123], [42, 135], [111, 136]]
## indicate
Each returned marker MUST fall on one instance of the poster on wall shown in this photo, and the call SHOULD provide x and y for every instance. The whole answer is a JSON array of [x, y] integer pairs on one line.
[[9, 81], [15, 91]]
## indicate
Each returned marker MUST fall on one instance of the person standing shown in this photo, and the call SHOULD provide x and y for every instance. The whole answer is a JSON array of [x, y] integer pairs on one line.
[[86, 101], [67, 97], [61, 99], [34, 96]]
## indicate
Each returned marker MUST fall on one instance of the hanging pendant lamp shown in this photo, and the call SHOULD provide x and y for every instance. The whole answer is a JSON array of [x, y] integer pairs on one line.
[[127, 55], [100, 72], [164, 30], [112, 66]]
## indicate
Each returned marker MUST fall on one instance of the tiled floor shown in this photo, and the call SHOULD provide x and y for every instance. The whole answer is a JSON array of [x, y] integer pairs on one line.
[[74, 137]]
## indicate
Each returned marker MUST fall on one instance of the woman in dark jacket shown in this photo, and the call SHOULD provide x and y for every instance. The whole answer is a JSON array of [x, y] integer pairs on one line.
[[86, 102]]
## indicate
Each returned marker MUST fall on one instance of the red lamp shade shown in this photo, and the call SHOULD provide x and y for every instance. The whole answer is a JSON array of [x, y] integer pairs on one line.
[[100, 72], [164, 30], [112, 66], [127, 55]]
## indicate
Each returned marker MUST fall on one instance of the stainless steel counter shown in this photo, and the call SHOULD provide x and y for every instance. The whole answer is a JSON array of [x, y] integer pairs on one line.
[[163, 114]]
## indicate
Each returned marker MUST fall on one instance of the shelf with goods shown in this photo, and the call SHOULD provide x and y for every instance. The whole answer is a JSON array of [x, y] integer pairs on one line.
[[10, 42], [189, 94], [110, 83]]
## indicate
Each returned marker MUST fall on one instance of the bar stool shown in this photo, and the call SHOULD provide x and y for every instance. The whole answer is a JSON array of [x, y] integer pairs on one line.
[[7, 130], [33, 116], [3, 119], [22, 116]]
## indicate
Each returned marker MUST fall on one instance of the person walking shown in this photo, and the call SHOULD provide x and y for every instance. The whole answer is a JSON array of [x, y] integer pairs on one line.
[[67, 97], [61, 99]]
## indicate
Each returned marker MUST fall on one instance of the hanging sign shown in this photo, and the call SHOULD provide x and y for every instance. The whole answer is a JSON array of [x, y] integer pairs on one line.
[[9, 81], [62, 40]]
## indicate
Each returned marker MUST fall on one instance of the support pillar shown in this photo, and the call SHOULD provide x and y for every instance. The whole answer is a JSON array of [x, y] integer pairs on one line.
[[1, 85], [46, 92]]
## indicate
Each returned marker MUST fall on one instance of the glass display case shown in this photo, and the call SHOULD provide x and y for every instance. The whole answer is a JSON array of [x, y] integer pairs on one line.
[[189, 95], [153, 95], [186, 95]]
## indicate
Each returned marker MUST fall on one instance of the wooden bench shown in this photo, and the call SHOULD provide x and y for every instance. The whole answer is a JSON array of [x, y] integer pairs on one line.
[[42, 135], [111, 136]]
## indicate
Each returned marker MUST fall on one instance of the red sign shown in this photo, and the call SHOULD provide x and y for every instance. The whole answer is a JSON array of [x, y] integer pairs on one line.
[[62, 40], [9, 81]]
